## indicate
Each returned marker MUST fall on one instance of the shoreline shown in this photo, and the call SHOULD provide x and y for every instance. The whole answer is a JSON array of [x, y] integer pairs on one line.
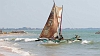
[[15, 34], [8, 49], [5, 50], [2, 55]]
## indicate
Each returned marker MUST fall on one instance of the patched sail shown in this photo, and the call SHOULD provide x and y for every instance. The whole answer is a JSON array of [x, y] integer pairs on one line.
[[51, 28]]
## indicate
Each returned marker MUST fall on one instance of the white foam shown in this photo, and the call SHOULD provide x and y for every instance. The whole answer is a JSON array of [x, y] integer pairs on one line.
[[18, 51], [28, 40], [6, 39], [85, 42], [7, 45], [1, 39], [19, 39], [70, 42]]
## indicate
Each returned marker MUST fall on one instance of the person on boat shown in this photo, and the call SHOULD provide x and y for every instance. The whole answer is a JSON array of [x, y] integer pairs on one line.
[[61, 37], [56, 39], [76, 38]]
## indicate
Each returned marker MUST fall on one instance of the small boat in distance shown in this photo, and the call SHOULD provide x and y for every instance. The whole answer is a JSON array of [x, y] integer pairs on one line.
[[97, 32]]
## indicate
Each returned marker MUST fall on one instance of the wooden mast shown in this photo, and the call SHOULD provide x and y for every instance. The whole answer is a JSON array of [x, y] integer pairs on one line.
[[60, 32]]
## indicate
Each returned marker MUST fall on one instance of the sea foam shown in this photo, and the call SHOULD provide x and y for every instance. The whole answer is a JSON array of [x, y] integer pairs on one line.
[[18, 51], [11, 47], [85, 42], [29, 40], [19, 39]]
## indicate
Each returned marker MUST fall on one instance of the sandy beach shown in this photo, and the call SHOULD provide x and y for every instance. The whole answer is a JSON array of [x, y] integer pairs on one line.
[[13, 34], [1, 55]]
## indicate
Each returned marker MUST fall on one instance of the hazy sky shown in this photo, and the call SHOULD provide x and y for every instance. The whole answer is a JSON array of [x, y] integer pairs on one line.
[[34, 13]]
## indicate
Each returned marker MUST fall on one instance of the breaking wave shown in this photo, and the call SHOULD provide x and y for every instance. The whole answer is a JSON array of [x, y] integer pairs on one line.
[[17, 50], [86, 42], [20, 51], [19, 39]]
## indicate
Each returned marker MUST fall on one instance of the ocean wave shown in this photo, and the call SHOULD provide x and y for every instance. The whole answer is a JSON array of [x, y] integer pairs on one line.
[[18, 51], [1, 40], [19, 39], [8, 46], [29, 40], [86, 42]]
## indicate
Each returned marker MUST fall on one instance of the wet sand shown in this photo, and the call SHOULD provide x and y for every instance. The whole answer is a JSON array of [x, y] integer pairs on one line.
[[1, 55], [4, 50], [15, 34], [10, 34]]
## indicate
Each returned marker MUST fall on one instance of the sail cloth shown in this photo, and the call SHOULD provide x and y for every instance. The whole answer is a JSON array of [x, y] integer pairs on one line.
[[51, 28]]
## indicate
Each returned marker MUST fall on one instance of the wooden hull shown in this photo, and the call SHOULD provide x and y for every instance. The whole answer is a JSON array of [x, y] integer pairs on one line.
[[54, 42], [45, 41], [50, 43]]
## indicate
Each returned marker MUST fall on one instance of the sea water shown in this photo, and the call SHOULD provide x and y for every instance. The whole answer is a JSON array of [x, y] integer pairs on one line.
[[26, 46]]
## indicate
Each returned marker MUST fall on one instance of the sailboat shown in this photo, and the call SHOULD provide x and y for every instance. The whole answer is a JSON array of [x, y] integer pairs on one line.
[[52, 32], [52, 28]]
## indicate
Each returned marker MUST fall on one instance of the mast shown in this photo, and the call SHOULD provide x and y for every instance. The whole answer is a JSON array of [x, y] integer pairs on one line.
[[60, 32]]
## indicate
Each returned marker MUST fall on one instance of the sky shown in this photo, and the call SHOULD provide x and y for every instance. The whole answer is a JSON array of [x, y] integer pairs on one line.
[[34, 13]]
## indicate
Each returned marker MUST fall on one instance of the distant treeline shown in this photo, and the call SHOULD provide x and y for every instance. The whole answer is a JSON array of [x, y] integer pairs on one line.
[[28, 28]]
